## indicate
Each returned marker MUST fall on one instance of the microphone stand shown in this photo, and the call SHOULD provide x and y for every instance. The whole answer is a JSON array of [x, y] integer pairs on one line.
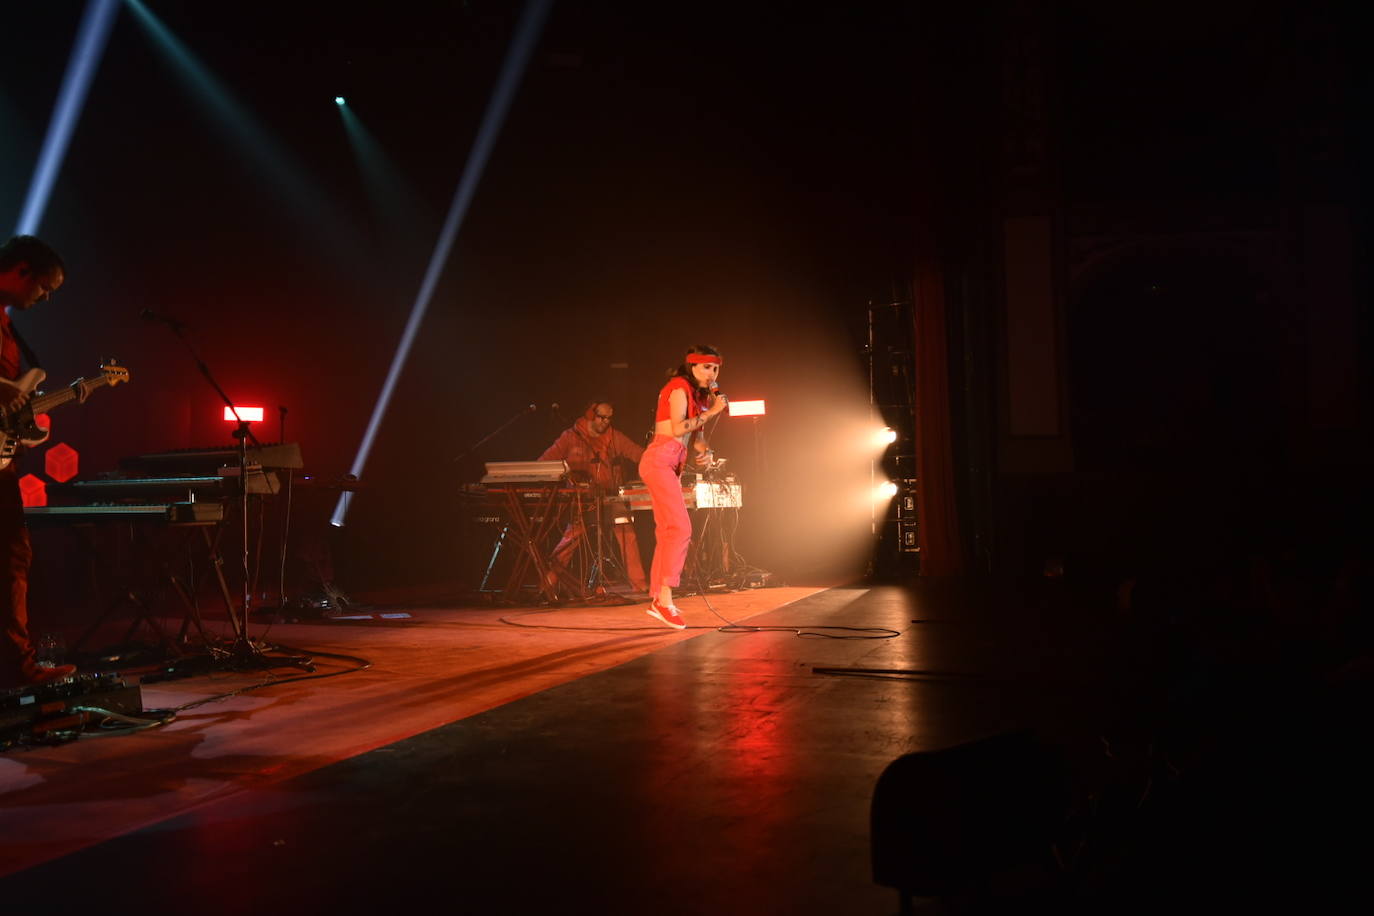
[[598, 577], [493, 434], [286, 516], [244, 651], [505, 528]]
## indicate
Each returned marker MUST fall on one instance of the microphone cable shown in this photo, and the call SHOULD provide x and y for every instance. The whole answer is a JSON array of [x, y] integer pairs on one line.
[[801, 631]]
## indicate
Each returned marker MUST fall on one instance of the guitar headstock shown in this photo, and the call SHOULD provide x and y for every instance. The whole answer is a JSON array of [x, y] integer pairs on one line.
[[114, 374]]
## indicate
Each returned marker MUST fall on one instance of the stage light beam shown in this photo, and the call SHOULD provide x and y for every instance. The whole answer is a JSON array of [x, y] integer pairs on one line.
[[512, 70], [317, 216], [91, 39], [396, 206]]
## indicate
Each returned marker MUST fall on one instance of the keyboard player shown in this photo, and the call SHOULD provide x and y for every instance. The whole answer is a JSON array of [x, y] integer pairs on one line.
[[596, 453]]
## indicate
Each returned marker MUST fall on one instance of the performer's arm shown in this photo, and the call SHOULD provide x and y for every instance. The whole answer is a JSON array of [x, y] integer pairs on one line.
[[559, 449], [11, 396], [677, 411], [683, 425]]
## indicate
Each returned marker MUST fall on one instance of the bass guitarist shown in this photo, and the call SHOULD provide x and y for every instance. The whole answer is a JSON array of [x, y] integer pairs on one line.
[[30, 272]]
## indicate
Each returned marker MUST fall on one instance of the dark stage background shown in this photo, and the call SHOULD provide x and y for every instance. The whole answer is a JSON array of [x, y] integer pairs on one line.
[[708, 176], [1145, 226]]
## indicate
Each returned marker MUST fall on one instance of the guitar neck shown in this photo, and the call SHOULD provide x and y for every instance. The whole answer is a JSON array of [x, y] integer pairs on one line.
[[46, 402]]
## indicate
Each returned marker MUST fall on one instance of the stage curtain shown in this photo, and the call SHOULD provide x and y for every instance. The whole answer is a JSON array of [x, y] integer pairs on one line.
[[937, 512]]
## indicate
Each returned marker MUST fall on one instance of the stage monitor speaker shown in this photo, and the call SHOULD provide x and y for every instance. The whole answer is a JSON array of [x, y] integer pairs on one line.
[[944, 822]]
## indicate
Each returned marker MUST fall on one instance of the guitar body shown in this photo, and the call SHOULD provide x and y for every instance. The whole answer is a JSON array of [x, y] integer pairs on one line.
[[18, 427]]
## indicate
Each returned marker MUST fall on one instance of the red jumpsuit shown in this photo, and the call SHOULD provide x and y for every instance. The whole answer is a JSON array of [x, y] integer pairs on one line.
[[661, 470]]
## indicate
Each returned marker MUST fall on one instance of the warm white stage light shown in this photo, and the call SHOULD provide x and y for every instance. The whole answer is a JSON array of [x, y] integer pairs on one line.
[[884, 437], [747, 408]]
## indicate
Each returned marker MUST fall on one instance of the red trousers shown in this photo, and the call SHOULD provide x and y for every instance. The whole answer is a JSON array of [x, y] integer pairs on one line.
[[16, 652], [661, 471]]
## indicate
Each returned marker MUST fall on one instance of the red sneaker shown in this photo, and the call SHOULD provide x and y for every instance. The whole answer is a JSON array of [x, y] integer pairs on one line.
[[667, 613]]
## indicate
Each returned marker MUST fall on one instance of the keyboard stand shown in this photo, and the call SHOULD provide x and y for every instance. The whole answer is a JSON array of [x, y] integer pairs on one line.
[[533, 512], [141, 585]]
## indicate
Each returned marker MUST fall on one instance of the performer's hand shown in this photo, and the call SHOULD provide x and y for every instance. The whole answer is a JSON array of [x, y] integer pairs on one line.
[[718, 403], [11, 396]]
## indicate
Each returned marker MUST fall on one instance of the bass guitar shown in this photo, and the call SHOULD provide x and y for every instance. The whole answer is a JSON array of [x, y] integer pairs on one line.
[[17, 427]]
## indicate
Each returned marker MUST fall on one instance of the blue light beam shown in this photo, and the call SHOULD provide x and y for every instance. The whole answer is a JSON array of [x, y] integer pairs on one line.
[[91, 38], [316, 215], [402, 216], [512, 70]]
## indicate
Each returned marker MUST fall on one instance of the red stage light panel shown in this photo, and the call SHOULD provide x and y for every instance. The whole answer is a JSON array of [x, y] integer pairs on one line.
[[33, 490], [747, 408], [251, 414], [61, 462]]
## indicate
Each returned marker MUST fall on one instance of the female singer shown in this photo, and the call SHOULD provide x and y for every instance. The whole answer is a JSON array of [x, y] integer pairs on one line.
[[684, 405]]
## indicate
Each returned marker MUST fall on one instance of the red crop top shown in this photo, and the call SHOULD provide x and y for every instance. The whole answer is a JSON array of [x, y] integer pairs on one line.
[[694, 406]]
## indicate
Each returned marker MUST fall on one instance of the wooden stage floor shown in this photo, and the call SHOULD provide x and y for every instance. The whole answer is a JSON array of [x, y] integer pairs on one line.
[[587, 761]]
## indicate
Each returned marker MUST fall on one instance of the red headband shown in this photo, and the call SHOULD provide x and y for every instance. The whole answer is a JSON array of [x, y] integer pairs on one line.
[[703, 358]]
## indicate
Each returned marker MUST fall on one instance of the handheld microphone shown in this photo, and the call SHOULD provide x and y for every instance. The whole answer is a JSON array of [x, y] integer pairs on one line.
[[715, 389]]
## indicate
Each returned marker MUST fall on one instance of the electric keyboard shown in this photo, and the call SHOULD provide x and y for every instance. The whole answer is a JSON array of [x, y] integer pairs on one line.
[[185, 513], [169, 489], [704, 494], [208, 460]]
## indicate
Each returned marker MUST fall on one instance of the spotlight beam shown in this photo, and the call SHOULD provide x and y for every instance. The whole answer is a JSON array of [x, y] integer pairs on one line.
[[316, 215], [395, 203], [91, 38], [512, 70]]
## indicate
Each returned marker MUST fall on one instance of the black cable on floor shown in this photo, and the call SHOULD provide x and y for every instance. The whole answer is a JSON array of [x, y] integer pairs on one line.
[[898, 674], [130, 724], [361, 664], [151, 718], [550, 626], [802, 631]]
